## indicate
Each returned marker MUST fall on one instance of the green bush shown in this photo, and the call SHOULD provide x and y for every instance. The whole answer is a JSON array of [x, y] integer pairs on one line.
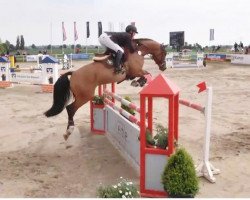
[[124, 189], [98, 100], [179, 177], [128, 109], [161, 138], [149, 138]]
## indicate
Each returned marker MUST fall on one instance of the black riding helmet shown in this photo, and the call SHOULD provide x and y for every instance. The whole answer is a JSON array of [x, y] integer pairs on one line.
[[130, 28]]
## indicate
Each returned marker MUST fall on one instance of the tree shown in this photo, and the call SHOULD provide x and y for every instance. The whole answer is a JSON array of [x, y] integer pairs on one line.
[[33, 46], [3, 48], [64, 46], [22, 43], [197, 46], [49, 47], [78, 46], [7, 44], [12, 47], [18, 43]]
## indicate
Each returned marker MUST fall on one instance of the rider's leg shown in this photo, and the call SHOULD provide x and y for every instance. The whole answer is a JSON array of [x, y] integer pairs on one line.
[[117, 63], [105, 40]]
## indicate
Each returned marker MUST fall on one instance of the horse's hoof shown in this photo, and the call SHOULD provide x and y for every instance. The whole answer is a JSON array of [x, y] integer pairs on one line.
[[65, 136], [134, 83], [68, 132]]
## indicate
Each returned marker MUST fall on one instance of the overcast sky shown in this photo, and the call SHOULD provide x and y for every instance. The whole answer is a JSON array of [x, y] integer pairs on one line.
[[40, 21]]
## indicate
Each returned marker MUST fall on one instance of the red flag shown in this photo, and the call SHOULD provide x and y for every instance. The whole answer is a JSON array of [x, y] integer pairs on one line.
[[75, 32], [64, 32], [202, 86]]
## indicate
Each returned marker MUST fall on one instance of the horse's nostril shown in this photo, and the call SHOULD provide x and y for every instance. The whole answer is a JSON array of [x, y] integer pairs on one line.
[[163, 66]]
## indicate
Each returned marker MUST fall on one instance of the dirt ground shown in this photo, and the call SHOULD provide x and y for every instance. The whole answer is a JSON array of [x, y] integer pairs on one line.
[[35, 161]]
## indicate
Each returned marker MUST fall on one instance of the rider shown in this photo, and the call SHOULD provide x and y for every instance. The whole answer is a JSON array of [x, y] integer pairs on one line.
[[116, 40]]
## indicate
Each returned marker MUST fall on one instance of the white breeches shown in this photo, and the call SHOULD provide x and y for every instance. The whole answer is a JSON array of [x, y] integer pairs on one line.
[[105, 40]]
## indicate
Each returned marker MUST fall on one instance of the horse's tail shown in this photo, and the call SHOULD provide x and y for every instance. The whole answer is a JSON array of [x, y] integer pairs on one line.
[[61, 95]]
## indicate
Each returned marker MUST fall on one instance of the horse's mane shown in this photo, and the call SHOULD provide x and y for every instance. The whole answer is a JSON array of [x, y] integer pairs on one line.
[[140, 40]]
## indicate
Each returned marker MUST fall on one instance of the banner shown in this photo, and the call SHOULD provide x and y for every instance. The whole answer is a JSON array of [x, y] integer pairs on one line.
[[88, 33], [64, 32], [31, 58], [240, 59], [99, 28], [216, 57], [211, 34], [75, 32]]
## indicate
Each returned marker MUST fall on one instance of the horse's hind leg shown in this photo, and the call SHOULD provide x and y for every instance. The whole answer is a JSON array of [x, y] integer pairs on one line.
[[71, 110]]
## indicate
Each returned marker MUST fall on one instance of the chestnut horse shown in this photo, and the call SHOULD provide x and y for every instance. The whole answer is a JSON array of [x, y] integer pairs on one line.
[[83, 82]]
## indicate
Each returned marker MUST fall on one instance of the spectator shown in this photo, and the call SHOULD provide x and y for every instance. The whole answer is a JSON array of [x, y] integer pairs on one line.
[[241, 45], [235, 47]]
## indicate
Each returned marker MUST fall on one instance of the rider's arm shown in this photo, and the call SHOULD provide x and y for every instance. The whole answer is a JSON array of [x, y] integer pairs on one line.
[[128, 43]]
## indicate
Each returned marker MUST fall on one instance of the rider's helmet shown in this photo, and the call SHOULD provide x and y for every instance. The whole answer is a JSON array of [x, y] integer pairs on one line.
[[130, 28]]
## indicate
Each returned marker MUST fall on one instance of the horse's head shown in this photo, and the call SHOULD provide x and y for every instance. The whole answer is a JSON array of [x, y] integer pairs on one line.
[[155, 49]]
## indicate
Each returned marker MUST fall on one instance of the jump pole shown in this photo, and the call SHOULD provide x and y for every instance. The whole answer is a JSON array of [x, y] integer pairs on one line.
[[123, 101]]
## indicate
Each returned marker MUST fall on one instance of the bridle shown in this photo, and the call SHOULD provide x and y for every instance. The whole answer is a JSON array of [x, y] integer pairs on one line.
[[161, 62], [158, 58]]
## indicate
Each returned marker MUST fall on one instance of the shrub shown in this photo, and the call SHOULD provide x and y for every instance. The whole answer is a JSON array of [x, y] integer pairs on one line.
[[179, 177], [124, 189], [161, 138], [149, 138], [98, 100]]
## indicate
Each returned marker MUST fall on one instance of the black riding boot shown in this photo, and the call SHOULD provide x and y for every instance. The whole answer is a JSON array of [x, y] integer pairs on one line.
[[117, 63]]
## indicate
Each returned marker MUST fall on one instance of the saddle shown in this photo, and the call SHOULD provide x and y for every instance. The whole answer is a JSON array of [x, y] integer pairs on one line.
[[109, 58]]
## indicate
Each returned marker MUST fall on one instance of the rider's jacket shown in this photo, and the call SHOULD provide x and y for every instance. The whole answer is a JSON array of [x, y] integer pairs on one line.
[[123, 39]]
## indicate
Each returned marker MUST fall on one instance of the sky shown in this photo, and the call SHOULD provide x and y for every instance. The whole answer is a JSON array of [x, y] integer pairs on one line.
[[40, 22]]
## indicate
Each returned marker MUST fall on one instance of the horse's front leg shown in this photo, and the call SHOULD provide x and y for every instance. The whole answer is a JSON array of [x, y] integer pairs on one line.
[[142, 80]]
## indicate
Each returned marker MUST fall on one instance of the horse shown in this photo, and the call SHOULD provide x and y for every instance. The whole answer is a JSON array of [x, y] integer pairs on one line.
[[82, 82]]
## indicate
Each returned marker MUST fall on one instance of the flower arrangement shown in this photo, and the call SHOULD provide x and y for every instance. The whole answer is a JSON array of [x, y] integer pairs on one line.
[[124, 189]]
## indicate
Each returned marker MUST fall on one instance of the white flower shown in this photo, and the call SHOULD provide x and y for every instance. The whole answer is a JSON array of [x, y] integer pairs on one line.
[[119, 184], [115, 186], [123, 196], [127, 183], [129, 193], [121, 177], [127, 189], [126, 193], [120, 191], [130, 183]]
